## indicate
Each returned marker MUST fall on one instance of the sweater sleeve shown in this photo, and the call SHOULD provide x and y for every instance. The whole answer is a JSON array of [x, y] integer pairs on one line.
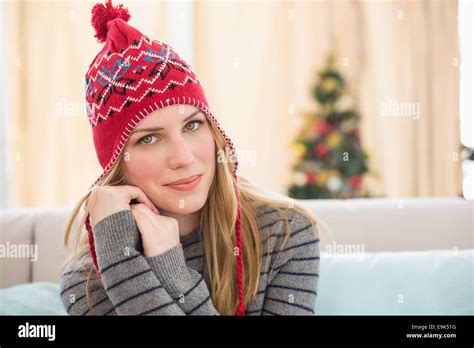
[[128, 280], [183, 283], [82, 295], [295, 273]]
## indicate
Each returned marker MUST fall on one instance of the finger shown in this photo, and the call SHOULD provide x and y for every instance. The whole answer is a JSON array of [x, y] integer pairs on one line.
[[138, 211], [140, 196], [143, 209], [146, 212], [134, 207]]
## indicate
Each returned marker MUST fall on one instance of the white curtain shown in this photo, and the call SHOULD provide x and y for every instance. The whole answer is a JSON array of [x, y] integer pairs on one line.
[[258, 61], [51, 44], [6, 173]]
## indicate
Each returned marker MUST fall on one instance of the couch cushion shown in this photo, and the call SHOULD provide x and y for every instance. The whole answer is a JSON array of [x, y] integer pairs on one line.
[[426, 282], [41, 298], [421, 282]]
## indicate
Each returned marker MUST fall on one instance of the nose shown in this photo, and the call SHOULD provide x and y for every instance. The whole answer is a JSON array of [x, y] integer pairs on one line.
[[180, 153]]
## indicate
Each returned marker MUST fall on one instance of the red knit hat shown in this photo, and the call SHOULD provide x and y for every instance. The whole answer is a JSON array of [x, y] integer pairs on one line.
[[129, 78]]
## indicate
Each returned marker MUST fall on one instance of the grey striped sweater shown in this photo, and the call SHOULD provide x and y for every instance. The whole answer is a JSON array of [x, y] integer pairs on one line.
[[176, 281]]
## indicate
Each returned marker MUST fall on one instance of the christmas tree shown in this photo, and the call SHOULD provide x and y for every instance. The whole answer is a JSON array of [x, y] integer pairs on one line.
[[330, 160]]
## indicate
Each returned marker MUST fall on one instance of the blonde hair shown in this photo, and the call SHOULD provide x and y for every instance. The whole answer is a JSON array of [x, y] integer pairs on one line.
[[217, 222]]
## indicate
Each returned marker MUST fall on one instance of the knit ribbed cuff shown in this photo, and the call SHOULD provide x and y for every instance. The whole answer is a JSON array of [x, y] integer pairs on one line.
[[170, 268], [115, 237]]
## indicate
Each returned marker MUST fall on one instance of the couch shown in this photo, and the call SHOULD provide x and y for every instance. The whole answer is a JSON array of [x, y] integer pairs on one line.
[[378, 256]]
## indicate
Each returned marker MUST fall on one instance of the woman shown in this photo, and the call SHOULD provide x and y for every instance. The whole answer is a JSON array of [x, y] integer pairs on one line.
[[171, 229]]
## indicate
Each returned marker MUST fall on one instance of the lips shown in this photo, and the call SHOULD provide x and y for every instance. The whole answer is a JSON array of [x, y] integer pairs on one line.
[[184, 181], [187, 184]]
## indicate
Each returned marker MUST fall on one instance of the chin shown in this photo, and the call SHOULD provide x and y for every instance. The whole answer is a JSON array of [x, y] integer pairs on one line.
[[189, 205]]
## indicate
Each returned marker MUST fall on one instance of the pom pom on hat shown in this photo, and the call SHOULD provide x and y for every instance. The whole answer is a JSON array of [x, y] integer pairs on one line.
[[101, 15]]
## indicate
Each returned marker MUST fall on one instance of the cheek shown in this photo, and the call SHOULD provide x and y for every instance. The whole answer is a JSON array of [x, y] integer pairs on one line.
[[140, 168], [206, 149]]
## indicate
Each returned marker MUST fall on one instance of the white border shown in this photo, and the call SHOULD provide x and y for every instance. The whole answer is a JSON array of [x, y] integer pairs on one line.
[[179, 17], [6, 171], [466, 44]]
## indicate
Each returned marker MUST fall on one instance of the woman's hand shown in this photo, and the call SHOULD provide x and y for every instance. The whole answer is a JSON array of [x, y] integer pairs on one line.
[[159, 233], [107, 200]]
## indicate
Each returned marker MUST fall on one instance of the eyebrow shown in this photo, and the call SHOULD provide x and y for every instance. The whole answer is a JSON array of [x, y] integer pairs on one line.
[[155, 129]]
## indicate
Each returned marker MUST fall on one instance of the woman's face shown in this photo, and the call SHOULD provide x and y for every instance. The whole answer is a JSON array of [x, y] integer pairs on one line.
[[182, 147]]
